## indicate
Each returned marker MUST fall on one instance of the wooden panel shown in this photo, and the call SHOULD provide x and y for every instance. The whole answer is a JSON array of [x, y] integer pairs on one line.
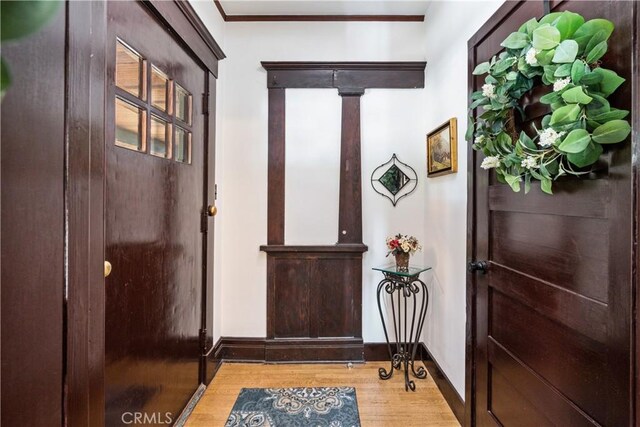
[[510, 407], [32, 221], [584, 198], [290, 283], [525, 396], [314, 304], [566, 307], [390, 79], [532, 242], [300, 79], [560, 356], [333, 281]]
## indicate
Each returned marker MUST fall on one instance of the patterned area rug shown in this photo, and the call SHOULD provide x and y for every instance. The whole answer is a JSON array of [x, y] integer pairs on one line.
[[295, 407]]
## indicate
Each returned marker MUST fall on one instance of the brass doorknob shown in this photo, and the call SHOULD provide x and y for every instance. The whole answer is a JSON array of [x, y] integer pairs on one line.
[[212, 210], [107, 268]]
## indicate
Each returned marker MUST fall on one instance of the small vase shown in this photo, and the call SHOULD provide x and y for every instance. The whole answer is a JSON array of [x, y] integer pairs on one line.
[[402, 261]]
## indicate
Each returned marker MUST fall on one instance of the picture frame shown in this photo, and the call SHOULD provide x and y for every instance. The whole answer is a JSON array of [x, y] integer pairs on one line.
[[442, 149]]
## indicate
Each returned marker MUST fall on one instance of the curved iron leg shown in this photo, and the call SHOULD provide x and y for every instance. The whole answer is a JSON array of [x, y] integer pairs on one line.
[[382, 372], [421, 373]]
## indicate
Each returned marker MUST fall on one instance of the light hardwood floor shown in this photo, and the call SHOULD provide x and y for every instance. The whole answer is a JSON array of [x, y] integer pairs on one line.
[[381, 403]]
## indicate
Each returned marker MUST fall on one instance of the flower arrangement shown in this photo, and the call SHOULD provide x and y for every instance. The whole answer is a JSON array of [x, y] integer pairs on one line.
[[563, 52], [402, 244]]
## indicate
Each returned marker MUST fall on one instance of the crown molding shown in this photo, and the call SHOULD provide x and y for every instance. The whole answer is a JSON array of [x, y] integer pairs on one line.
[[316, 18]]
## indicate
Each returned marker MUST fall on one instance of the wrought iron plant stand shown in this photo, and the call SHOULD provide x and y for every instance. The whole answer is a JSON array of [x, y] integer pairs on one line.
[[409, 292]]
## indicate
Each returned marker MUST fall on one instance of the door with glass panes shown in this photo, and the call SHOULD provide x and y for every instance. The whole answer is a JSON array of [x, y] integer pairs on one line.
[[155, 191]]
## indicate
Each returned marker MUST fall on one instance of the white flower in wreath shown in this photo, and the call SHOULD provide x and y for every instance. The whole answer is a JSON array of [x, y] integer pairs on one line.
[[530, 57], [560, 84], [548, 137], [529, 162], [489, 90], [490, 162], [479, 139]]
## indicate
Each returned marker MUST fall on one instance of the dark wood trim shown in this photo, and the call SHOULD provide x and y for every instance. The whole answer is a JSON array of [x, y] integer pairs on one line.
[[208, 364], [444, 384], [379, 352], [202, 30], [344, 66], [347, 77], [276, 167], [314, 350], [84, 194], [350, 205], [240, 349], [340, 248], [316, 18], [324, 18], [220, 9], [175, 16], [470, 344]]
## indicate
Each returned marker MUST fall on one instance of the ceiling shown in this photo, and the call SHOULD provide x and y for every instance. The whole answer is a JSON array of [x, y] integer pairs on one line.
[[324, 7]]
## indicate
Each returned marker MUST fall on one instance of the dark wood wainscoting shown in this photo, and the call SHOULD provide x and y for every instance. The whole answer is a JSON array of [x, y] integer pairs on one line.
[[314, 302]]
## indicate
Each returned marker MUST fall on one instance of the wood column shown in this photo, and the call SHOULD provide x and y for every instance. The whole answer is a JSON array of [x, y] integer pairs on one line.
[[275, 195], [350, 207]]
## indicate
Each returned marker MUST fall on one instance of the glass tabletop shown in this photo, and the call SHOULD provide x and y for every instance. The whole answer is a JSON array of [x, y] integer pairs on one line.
[[412, 271]]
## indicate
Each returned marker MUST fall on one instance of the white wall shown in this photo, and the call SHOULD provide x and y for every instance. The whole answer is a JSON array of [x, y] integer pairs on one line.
[[392, 121], [449, 25], [312, 166]]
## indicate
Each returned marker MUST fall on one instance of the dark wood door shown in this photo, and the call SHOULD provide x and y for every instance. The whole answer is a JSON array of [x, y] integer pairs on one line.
[[550, 322], [32, 227], [155, 194]]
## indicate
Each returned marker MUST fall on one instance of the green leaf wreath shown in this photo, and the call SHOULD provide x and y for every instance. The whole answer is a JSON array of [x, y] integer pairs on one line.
[[560, 50]]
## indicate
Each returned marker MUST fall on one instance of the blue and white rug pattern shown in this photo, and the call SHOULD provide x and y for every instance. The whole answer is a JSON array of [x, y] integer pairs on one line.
[[295, 407]]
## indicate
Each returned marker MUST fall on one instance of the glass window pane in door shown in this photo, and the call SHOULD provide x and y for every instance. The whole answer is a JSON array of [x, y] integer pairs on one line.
[[160, 144], [130, 126]]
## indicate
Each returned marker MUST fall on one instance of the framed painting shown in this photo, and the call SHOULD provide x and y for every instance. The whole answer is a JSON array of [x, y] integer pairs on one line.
[[442, 149]]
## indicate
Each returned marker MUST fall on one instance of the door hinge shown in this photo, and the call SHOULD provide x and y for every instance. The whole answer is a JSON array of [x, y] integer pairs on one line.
[[203, 340], [204, 221], [205, 103]]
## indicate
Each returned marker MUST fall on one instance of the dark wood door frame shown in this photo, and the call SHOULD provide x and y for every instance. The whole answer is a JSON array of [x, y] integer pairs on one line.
[[474, 235], [84, 192], [298, 328]]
